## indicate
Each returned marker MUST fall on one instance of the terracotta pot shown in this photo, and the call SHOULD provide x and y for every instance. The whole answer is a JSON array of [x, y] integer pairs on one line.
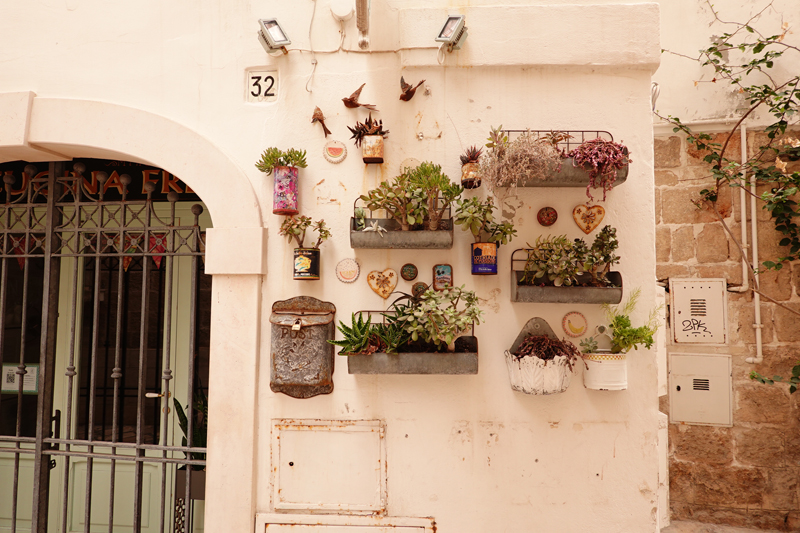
[[306, 263], [372, 149], [605, 371], [284, 194], [484, 258], [470, 179]]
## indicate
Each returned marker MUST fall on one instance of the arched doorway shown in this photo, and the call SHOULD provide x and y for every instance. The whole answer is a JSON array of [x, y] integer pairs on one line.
[[202, 166]]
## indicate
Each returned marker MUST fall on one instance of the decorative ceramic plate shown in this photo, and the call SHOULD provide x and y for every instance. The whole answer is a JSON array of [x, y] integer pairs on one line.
[[409, 272], [574, 324], [418, 288], [347, 270], [408, 164], [334, 151], [547, 216]]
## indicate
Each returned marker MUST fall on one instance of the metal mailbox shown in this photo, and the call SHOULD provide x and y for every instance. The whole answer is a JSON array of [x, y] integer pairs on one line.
[[302, 357]]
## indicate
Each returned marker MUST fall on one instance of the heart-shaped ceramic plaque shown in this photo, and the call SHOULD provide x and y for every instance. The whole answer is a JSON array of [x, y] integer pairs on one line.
[[382, 282], [588, 218]]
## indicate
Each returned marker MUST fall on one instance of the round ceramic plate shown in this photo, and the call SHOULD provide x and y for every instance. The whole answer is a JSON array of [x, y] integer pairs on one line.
[[408, 164], [347, 270], [574, 324], [418, 288], [334, 151]]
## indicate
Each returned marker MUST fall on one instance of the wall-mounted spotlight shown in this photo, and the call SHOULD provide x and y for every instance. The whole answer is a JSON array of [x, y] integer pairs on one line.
[[453, 33], [272, 37]]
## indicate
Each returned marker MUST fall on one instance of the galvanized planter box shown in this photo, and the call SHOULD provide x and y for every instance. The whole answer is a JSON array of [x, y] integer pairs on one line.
[[566, 295], [570, 176], [418, 362], [394, 237]]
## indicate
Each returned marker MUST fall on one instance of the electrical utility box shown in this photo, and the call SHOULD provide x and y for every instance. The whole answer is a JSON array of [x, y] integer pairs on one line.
[[698, 311], [700, 389]]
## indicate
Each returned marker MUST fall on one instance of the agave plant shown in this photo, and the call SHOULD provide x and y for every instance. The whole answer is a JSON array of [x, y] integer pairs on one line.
[[471, 155], [368, 127], [356, 336]]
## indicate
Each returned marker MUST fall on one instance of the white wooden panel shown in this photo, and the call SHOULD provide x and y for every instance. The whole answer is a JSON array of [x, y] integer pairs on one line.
[[24, 494], [329, 465], [698, 311], [700, 389]]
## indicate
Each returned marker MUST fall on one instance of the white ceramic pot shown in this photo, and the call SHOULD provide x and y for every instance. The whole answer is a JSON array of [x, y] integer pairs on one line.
[[532, 375], [605, 371]]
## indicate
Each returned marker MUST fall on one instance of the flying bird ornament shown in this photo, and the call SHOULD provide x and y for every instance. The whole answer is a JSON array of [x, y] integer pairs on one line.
[[353, 103], [408, 90]]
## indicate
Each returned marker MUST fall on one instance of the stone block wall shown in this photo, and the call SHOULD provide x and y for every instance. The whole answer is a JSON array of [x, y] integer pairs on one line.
[[749, 474]]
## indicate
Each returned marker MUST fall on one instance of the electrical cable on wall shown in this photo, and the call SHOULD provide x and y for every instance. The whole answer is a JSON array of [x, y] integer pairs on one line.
[[311, 45]]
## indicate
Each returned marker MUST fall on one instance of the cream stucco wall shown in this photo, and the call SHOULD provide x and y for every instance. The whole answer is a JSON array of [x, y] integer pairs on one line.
[[578, 461]]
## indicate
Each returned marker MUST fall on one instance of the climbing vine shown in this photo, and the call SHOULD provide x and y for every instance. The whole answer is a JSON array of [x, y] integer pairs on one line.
[[746, 59]]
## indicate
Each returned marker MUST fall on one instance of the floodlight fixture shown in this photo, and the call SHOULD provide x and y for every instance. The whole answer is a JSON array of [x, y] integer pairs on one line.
[[271, 36], [453, 33]]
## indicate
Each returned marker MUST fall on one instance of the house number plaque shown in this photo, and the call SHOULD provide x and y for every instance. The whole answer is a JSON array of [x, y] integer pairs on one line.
[[262, 86]]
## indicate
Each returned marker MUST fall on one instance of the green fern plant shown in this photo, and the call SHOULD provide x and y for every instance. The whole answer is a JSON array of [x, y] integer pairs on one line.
[[356, 337], [199, 424]]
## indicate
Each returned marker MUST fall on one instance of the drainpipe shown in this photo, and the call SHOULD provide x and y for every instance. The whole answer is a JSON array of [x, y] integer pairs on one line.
[[743, 226], [756, 297]]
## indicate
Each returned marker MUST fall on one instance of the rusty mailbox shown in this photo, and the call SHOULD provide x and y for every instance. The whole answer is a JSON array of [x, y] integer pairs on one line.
[[302, 357]]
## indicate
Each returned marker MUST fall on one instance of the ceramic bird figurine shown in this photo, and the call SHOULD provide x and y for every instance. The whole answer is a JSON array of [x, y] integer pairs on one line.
[[352, 100], [319, 117], [408, 90]]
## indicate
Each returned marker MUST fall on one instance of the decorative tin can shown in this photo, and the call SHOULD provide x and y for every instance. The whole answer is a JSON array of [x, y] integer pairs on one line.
[[470, 179], [284, 195], [372, 149], [605, 371], [306, 263], [484, 258]]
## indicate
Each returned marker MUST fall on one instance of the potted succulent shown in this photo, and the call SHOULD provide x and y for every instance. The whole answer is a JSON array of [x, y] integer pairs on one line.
[[602, 159], [477, 217], [606, 367], [284, 165], [424, 334], [559, 270], [369, 136], [538, 362], [438, 190], [415, 204], [542, 159], [306, 265], [470, 175]]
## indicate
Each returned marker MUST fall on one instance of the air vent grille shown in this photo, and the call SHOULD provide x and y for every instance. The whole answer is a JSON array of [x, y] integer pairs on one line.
[[701, 384], [698, 307]]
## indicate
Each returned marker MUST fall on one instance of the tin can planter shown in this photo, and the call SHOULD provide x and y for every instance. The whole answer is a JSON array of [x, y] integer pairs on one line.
[[484, 258], [605, 371], [284, 194], [470, 179], [372, 149], [306, 263], [532, 375]]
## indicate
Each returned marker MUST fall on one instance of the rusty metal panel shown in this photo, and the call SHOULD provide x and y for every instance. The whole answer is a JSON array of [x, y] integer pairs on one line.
[[302, 357], [329, 466]]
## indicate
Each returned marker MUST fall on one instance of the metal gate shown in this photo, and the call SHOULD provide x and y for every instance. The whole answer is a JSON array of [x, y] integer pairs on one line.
[[91, 327]]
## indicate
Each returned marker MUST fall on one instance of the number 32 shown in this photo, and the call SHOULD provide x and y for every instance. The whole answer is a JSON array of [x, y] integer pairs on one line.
[[269, 81]]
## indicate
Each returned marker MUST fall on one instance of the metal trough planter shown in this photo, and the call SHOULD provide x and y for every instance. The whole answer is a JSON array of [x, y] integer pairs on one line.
[[458, 362], [571, 176], [566, 295], [394, 237]]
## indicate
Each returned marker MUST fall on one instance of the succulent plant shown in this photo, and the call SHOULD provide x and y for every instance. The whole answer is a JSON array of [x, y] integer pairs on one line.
[[438, 190], [471, 155], [368, 127], [273, 157], [295, 227], [437, 317], [601, 159], [400, 198], [356, 336], [477, 217]]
